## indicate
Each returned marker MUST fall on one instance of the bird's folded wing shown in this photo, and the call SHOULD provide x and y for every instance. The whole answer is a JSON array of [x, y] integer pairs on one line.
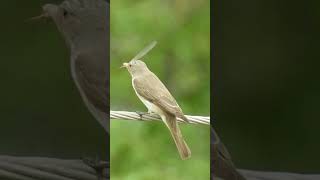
[[92, 75], [153, 90]]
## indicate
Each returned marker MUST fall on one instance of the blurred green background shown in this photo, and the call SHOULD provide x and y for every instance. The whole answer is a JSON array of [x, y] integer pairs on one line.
[[42, 113], [181, 59], [266, 83]]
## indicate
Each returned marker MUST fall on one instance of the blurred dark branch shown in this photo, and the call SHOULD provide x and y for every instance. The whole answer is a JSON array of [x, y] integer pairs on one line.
[[31, 168]]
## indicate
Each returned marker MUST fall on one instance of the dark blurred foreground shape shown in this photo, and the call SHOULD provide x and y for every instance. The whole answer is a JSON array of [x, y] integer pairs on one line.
[[221, 163], [84, 25], [266, 84], [34, 168], [223, 168], [43, 114]]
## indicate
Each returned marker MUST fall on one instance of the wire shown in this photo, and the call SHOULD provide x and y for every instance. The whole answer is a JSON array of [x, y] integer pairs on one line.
[[126, 115]]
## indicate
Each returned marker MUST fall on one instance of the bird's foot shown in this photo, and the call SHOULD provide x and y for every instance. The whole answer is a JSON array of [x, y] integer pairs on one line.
[[141, 114]]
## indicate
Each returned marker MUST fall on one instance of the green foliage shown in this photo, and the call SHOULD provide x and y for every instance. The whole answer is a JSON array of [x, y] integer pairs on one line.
[[181, 59]]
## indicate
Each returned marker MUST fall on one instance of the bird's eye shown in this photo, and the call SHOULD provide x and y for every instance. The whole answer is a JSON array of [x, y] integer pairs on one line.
[[130, 65], [65, 13]]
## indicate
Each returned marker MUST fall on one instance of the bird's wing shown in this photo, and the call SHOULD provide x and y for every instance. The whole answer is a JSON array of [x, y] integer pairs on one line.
[[91, 74], [158, 95]]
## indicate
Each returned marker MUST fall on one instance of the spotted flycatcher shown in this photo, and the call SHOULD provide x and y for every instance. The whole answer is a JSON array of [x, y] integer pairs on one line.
[[156, 97]]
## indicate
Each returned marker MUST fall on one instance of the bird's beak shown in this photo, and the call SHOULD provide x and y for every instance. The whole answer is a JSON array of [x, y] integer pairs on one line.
[[48, 10], [124, 65], [41, 16]]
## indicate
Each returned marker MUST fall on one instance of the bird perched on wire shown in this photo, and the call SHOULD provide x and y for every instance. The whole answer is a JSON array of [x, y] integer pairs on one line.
[[156, 97], [85, 27]]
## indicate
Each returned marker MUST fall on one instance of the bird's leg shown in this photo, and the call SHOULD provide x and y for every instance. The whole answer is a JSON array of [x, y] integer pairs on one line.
[[141, 114]]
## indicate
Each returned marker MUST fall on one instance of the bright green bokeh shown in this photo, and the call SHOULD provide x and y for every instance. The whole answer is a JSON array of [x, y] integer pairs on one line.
[[181, 59]]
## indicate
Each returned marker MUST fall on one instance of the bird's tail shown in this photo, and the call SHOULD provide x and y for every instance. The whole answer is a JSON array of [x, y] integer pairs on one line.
[[174, 129]]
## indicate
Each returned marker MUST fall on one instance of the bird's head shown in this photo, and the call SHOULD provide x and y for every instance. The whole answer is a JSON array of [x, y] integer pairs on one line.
[[78, 18], [135, 67]]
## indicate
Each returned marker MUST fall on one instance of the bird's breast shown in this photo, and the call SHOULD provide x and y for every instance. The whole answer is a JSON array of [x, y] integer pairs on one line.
[[151, 107]]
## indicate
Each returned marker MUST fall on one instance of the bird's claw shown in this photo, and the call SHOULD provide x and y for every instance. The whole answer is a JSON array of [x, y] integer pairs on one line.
[[141, 114]]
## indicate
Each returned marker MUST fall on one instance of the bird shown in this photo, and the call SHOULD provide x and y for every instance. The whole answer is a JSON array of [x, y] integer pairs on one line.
[[157, 98], [84, 25]]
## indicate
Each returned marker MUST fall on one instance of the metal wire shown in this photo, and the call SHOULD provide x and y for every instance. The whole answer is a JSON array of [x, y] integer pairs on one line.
[[126, 115]]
